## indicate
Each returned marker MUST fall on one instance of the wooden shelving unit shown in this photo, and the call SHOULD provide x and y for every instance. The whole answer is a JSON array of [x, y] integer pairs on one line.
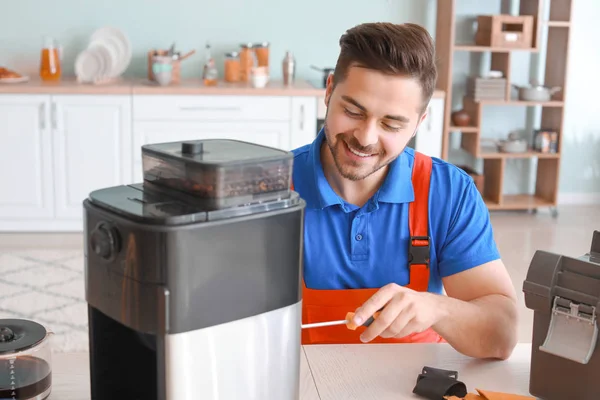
[[552, 112]]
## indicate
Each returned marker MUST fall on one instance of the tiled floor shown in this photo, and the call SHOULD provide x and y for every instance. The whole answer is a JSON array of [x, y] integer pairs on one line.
[[41, 277]]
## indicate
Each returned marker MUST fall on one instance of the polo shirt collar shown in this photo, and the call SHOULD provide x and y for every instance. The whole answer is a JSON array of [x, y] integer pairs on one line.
[[396, 188]]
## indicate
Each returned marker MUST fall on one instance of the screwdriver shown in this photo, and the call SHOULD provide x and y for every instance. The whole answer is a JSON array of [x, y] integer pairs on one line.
[[348, 322]]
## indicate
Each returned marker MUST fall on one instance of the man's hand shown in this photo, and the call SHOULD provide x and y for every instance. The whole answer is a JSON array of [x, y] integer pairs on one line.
[[405, 311], [478, 317]]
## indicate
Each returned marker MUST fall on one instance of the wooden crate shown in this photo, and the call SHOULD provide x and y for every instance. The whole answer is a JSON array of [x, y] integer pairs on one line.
[[507, 31]]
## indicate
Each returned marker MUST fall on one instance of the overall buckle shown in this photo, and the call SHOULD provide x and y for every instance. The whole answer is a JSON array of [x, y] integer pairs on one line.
[[419, 254]]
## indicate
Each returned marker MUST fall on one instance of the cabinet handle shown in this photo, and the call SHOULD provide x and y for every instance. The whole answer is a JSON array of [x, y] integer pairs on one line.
[[53, 116], [42, 116], [183, 108], [302, 117]]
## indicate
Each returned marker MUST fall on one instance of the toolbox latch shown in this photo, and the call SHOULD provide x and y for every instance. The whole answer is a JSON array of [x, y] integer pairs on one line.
[[572, 332]]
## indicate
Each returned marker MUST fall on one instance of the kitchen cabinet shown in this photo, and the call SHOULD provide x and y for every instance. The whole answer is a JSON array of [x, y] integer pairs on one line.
[[56, 149], [92, 147], [284, 122], [303, 124], [25, 159]]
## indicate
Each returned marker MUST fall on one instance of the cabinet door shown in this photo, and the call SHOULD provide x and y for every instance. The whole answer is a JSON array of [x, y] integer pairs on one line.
[[429, 137], [25, 158], [304, 121], [272, 134], [92, 147]]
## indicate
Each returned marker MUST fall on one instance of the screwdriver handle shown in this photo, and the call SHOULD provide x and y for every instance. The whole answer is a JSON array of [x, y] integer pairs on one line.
[[352, 326]]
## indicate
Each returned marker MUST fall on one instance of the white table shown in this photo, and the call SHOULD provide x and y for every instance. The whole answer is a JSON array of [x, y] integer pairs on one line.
[[370, 371]]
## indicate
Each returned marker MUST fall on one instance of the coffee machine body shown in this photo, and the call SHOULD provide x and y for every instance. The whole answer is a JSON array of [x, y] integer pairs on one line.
[[186, 303]]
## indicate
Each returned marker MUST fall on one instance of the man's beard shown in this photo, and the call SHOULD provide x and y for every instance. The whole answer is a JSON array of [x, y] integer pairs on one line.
[[351, 173]]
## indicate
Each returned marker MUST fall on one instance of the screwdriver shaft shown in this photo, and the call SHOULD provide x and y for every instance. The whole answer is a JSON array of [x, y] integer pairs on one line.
[[321, 324]]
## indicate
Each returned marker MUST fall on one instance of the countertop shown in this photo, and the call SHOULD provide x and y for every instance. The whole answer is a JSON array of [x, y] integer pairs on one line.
[[369, 371], [143, 86]]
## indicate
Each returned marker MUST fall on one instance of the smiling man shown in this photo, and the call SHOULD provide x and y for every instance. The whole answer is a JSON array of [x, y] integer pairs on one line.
[[386, 228]]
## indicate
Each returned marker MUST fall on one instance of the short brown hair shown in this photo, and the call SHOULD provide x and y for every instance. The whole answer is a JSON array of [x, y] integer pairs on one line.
[[399, 49]]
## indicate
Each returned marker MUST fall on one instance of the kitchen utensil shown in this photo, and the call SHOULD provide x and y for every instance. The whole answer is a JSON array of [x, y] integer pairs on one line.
[[162, 69], [259, 77], [514, 144], [561, 291], [348, 322], [325, 71], [289, 68], [536, 92], [193, 277], [25, 360]]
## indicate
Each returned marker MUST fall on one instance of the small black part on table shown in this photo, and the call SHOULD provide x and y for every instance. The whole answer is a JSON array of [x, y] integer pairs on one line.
[[435, 383]]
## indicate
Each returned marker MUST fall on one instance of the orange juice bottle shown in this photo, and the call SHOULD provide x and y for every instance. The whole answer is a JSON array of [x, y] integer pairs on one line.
[[50, 69]]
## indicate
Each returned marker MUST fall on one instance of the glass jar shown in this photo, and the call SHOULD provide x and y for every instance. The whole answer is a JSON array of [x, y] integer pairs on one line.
[[50, 68], [232, 67], [247, 61], [262, 54]]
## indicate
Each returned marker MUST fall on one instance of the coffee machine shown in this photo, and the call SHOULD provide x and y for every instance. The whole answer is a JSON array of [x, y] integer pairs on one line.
[[193, 276]]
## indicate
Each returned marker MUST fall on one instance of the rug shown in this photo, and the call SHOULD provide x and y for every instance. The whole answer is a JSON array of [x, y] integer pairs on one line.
[[47, 286]]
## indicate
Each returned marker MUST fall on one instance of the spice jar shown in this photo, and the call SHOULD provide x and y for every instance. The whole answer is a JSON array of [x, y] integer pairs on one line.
[[247, 61], [262, 54], [232, 67]]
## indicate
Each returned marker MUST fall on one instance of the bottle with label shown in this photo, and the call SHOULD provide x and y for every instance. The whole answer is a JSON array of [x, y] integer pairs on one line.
[[210, 75]]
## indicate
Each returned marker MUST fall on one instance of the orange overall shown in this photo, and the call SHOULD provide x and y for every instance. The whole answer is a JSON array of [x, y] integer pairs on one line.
[[329, 305]]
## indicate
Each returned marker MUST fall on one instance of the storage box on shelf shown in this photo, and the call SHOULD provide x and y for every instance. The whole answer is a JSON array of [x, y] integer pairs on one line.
[[497, 36], [509, 31]]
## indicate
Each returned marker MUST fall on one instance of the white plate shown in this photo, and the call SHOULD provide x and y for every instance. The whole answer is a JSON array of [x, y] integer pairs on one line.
[[15, 80], [106, 58], [88, 66], [120, 42]]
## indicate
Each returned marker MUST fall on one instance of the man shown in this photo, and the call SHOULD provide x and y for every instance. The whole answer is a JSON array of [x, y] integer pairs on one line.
[[367, 195]]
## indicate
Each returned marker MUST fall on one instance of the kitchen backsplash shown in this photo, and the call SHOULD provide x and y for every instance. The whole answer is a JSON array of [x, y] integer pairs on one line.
[[309, 29]]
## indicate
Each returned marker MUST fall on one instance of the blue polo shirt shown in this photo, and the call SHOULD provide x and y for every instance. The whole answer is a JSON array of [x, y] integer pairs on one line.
[[367, 247]]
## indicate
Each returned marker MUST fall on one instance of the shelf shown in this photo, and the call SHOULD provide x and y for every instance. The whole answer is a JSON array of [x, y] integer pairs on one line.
[[528, 154], [551, 103], [465, 129], [518, 202], [475, 48], [558, 24]]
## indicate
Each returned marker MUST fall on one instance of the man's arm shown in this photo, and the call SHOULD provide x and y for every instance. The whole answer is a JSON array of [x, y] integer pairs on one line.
[[478, 317]]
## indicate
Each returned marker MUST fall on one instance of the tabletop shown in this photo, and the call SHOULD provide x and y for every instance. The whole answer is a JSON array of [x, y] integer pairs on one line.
[[362, 371]]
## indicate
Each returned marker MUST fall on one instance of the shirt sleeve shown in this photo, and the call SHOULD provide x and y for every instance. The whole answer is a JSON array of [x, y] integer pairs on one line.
[[470, 239]]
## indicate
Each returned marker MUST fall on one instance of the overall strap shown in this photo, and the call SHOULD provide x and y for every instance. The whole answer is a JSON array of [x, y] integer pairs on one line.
[[419, 243]]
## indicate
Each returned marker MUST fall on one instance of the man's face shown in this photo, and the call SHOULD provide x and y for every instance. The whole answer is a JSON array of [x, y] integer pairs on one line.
[[370, 119]]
